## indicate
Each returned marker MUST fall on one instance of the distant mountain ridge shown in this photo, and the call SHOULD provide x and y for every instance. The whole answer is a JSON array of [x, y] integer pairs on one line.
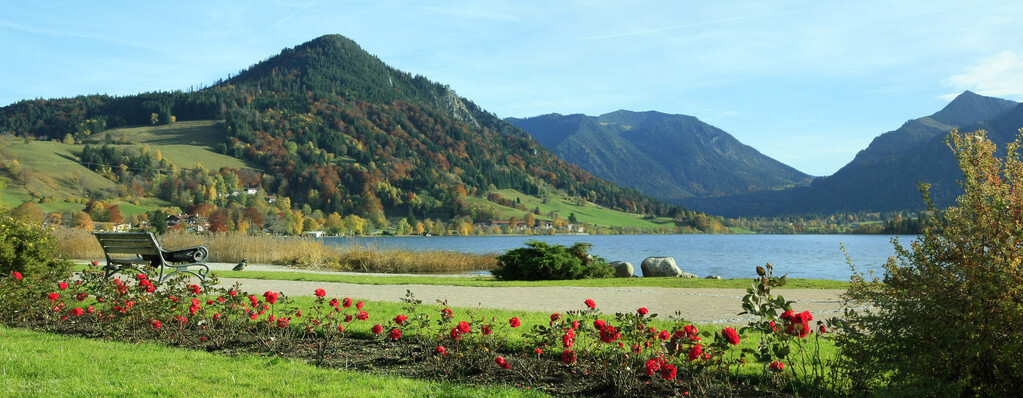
[[672, 157], [885, 175]]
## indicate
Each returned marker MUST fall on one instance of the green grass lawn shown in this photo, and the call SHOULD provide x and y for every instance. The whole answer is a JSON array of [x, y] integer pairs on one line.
[[36, 364], [491, 282], [589, 213]]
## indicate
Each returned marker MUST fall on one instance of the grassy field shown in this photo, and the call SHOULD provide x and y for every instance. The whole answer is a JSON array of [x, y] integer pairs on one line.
[[184, 144], [589, 213], [39, 364], [491, 282], [53, 171]]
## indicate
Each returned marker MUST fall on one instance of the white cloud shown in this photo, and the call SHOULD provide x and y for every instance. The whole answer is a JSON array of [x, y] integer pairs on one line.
[[1000, 75]]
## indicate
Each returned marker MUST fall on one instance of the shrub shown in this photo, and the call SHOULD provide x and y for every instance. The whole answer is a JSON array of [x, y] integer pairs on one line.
[[543, 261], [948, 319], [27, 248]]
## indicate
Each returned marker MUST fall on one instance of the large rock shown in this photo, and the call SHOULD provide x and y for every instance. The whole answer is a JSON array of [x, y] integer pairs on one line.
[[663, 266], [623, 269]]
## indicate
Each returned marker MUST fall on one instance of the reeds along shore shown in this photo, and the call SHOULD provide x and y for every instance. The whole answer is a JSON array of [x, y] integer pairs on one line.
[[302, 252]]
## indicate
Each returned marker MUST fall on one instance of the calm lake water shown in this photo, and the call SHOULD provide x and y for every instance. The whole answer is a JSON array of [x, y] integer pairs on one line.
[[730, 256]]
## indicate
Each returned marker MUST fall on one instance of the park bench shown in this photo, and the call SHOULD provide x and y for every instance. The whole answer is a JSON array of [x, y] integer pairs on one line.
[[143, 249]]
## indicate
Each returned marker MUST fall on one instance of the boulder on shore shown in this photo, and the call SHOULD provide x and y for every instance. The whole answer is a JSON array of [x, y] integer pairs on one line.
[[623, 269], [663, 266]]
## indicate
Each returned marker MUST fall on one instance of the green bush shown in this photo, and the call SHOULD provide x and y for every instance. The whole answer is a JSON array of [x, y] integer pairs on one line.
[[948, 319], [27, 248], [543, 261]]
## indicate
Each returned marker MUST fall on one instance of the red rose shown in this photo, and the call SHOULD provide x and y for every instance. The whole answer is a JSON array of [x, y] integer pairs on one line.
[[447, 313], [377, 329], [590, 303], [538, 351], [668, 372], [653, 365], [464, 327], [82, 296], [270, 297], [643, 311], [283, 322], [362, 315], [400, 319], [731, 336], [568, 339], [777, 366], [609, 334], [599, 324], [359, 305], [695, 352], [568, 357], [500, 361], [347, 302], [195, 289], [514, 322], [485, 329], [320, 292], [77, 311], [253, 300], [555, 316], [53, 296], [348, 318], [395, 334], [822, 329], [340, 328], [231, 293], [62, 285], [16, 275], [156, 324], [441, 350]]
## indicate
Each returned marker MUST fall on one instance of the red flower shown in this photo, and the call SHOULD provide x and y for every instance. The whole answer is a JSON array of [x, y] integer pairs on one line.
[[653, 365], [359, 305], [599, 324], [485, 329], [777, 366], [395, 334], [643, 311], [53, 296], [590, 303], [95, 263], [216, 316], [141, 277], [447, 313], [62, 285], [182, 320], [377, 329], [822, 329], [347, 302], [514, 322], [156, 324], [538, 351], [270, 297], [455, 334], [77, 311], [464, 327], [668, 372], [555, 316], [500, 361], [400, 319], [340, 328], [298, 313], [348, 318], [231, 293], [664, 335], [82, 296], [253, 300], [568, 339], [695, 352], [362, 315], [195, 289], [731, 336], [575, 324], [282, 322], [609, 334], [320, 292], [568, 357], [91, 310], [16, 275], [441, 350]]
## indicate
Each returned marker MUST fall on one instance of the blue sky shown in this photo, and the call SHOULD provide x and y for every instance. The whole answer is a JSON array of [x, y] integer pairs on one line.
[[809, 83]]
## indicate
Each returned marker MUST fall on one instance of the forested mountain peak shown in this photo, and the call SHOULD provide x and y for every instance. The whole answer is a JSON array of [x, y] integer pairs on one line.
[[673, 157], [969, 107]]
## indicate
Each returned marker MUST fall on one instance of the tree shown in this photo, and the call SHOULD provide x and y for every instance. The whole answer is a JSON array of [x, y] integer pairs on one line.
[[114, 215], [29, 212], [947, 320], [403, 227], [83, 221], [355, 224], [530, 220]]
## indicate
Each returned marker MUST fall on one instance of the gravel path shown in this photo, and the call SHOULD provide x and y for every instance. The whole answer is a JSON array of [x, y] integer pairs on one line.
[[694, 305]]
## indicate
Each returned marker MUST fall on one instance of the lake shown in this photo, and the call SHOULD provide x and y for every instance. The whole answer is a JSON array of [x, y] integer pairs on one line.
[[730, 256]]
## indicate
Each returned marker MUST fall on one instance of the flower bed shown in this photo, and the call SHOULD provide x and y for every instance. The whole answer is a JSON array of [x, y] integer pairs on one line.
[[580, 351]]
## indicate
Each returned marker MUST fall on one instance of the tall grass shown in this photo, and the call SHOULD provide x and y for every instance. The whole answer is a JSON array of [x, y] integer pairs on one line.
[[304, 252]]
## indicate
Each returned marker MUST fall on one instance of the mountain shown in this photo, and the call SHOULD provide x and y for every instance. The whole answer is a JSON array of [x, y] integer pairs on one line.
[[885, 175], [335, 129], [672, 157]]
